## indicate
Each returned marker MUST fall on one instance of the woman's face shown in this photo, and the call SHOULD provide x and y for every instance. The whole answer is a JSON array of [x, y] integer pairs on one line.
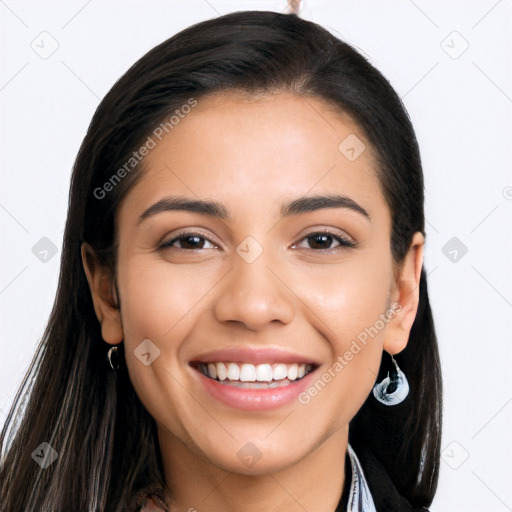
[[254, 293]]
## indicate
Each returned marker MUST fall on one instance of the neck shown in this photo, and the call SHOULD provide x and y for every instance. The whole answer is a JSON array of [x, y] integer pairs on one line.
[[313, 483]]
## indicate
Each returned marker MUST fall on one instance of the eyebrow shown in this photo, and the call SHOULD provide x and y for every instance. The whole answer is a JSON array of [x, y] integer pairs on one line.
[[219, 210]]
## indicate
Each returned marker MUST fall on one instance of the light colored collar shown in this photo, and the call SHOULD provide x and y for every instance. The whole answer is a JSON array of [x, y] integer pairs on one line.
[[360, 498]]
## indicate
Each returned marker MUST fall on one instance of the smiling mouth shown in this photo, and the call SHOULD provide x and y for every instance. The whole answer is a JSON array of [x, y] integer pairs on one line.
[[254, 376]]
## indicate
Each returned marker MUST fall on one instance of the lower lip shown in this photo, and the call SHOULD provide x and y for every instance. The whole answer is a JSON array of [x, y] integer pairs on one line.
[[254, 399]]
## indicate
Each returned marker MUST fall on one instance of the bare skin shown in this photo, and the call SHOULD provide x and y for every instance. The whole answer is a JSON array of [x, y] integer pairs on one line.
[[310, 300]]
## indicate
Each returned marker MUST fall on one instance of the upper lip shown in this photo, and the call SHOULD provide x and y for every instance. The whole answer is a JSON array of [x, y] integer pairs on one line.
[[253, 355]]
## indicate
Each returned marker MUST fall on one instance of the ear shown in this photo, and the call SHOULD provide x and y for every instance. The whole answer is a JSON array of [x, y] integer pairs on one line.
[[406, 293], [101, 284]]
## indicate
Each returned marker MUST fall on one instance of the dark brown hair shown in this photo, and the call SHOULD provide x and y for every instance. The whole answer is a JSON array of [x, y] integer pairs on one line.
[[71, 399]]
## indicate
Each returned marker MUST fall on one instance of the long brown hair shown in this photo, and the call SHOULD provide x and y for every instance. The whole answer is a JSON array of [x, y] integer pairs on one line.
[[70, 397]]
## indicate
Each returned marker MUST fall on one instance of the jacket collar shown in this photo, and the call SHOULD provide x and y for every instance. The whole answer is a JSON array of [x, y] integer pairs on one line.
[[359, 497]]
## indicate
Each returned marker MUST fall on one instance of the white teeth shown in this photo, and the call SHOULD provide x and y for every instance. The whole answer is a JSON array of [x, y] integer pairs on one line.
[[212, 370], [264, 373], [222, 372], [233, 371], [280, 372], [247, 372], [292, 372]]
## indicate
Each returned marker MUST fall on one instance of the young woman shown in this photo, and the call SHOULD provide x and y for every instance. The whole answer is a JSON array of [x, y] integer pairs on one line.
[[242, 319]]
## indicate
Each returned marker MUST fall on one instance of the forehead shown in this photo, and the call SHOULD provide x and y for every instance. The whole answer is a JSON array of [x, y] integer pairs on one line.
[[248, 150], [283, 128]]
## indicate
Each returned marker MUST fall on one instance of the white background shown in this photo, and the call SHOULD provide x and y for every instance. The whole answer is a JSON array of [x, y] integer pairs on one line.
[[460, 105]]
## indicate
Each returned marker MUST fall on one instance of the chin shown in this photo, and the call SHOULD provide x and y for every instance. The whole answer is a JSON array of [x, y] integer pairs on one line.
[[255, 457]]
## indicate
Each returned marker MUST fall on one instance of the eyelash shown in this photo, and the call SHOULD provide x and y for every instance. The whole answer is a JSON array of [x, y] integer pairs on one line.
[[344, 243]]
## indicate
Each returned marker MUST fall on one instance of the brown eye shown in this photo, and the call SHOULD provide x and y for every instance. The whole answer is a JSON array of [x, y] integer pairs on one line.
[[320, 241], [323, 240], [187, 241]]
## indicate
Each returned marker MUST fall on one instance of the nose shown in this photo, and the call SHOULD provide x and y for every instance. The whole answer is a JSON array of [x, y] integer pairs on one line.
[[254, 295]]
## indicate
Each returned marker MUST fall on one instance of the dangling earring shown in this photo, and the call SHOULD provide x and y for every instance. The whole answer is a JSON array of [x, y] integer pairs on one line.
[[394, 388], [112, 354]]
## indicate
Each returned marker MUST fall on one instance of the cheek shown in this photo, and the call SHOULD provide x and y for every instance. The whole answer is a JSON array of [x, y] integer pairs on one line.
[[349, 298], [159, 299], [351, 311], [160, 305]]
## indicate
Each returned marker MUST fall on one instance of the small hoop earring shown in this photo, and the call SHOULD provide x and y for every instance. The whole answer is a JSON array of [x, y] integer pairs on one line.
[[113, 354], [394, 389]]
